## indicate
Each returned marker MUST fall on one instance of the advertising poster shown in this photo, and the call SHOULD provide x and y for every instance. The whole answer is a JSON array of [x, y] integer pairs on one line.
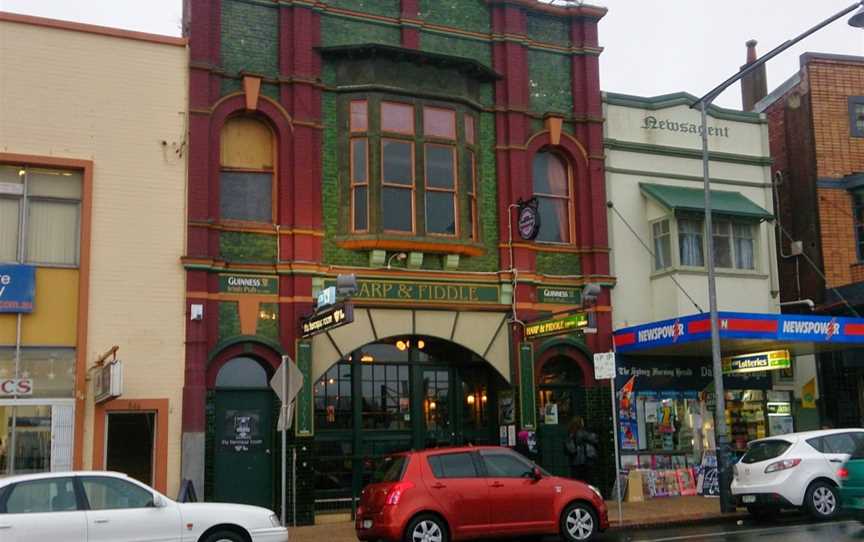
[[627, 419]]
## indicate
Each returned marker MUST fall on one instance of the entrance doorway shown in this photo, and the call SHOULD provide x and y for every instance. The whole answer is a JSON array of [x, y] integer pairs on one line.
[[561, 395], [243, 451], [404, 393], [130, 444]]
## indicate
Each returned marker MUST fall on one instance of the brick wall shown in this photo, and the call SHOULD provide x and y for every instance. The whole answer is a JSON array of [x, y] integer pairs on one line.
[[831, 83], [838, 235]]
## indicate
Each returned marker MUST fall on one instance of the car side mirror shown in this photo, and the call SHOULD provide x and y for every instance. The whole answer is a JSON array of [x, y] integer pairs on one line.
[[536, 473], [158, 502]]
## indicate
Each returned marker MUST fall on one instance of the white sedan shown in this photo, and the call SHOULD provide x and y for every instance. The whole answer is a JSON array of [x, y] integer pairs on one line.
[[111, 507]]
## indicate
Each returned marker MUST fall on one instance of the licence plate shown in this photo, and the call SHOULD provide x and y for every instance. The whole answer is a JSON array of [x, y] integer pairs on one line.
[[748, 498], [367, 523]]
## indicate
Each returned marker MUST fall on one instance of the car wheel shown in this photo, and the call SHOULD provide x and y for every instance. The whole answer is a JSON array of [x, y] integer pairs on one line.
[[224, 536], [578, 523], [426, 528], [762, 513], [822, 500]]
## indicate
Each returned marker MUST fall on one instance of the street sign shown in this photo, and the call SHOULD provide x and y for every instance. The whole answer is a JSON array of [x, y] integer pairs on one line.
[[604, 365], [327, 297], [287, 383], [108, 382], [336, 316]]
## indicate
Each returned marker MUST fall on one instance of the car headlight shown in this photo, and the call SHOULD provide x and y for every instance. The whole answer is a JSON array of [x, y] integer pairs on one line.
[[274, 519], [596, 491]]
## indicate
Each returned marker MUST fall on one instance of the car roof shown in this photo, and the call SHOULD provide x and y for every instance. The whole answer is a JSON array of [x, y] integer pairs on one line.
[[14, 479], [804, 435], [452, 449]]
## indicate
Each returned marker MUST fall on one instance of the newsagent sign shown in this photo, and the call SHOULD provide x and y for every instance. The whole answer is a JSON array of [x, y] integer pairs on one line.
[[741, 325]]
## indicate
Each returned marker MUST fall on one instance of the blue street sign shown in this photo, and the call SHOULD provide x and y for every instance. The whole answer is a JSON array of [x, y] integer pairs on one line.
[[17, 288]]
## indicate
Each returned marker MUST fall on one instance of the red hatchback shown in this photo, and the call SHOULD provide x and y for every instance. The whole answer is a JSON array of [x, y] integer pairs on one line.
[[450, 494]]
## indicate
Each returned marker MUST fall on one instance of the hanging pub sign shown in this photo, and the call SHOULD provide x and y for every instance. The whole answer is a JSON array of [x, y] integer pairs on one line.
[[762, 361], [554, 326], [529, 219], [335, 316], [108, 382], [17, 288]]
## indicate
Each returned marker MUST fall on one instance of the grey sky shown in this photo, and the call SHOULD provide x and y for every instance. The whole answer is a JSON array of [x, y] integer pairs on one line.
[[651, 46]]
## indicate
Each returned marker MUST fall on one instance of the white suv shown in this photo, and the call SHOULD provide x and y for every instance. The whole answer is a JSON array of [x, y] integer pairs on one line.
[[798, 470]]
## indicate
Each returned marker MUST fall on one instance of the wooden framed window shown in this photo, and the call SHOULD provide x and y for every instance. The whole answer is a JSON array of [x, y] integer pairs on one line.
[[441, 190], [247, 192], [469, 130], [360, 184], [471, 175], [397, 118], [438, 122], [552, 188], [359, 116], [397, 185]]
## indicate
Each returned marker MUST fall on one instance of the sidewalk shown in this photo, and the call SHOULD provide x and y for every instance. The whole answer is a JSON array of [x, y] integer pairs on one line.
[[669, 511]]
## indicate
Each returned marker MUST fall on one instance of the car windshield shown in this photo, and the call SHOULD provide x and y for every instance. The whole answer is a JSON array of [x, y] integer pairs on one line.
[[390, 469], [765, 450]]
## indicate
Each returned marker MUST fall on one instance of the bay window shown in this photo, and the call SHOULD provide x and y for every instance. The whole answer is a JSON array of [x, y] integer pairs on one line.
[[662, 245], [690, 242], [411, 168]]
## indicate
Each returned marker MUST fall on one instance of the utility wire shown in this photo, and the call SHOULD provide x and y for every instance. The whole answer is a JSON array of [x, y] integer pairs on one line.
[[651, 252], [819, 271]]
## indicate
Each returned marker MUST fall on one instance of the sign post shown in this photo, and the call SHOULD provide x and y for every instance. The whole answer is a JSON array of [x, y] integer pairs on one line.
[[604, 367], [287, 383]]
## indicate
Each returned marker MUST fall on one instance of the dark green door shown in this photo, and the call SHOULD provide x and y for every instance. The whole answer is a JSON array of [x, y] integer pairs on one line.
[[244, 447]]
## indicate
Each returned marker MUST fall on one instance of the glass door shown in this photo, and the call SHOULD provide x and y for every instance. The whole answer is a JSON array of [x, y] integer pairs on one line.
[[437, 407], [35, 436]]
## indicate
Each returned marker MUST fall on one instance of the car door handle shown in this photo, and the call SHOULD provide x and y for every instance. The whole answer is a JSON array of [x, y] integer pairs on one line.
[[100, 521], [4, 526], [836, 460], [497, 484], [439, 485]]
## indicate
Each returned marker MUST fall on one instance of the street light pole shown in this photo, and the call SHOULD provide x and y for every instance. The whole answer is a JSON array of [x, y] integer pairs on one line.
[[720, 429]]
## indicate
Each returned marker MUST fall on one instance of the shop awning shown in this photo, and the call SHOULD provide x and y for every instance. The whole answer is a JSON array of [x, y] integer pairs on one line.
[[740, 333], [680, 199]]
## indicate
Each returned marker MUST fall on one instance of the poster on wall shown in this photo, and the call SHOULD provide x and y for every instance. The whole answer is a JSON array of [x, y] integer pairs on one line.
[[627, 419], [506, 407], [708, 483], [550, 414], [241, 431]]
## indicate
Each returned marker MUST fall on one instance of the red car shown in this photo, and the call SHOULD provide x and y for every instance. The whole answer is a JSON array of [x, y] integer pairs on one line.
[[451, 494]]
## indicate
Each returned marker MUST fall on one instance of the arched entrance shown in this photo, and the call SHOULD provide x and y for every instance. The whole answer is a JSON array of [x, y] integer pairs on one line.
[[401, 393], [243, 452], [561, 397]]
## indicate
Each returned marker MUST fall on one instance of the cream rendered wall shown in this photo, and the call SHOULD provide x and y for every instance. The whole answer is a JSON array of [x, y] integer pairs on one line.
[[640, 295], [114, 100]]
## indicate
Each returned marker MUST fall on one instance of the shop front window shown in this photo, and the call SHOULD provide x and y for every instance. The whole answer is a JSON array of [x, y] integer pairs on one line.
[[332, 396], [25, 432]]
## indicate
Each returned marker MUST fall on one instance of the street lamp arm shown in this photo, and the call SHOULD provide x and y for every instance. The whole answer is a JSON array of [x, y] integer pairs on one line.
[[716, 91]]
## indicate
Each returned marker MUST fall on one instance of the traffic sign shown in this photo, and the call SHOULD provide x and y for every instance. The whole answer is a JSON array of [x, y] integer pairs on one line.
[[287, 383]]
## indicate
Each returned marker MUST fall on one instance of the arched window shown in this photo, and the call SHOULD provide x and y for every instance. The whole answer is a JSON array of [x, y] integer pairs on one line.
[[552, 188], [247, 164], [242, 372]]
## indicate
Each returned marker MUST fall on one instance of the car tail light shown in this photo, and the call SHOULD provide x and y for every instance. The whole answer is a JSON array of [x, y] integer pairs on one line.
[[396, 492], [843, 473], [782, 465]]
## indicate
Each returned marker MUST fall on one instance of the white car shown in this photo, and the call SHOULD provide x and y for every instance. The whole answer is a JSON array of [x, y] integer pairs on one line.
[[112, 507], [798, 470]]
